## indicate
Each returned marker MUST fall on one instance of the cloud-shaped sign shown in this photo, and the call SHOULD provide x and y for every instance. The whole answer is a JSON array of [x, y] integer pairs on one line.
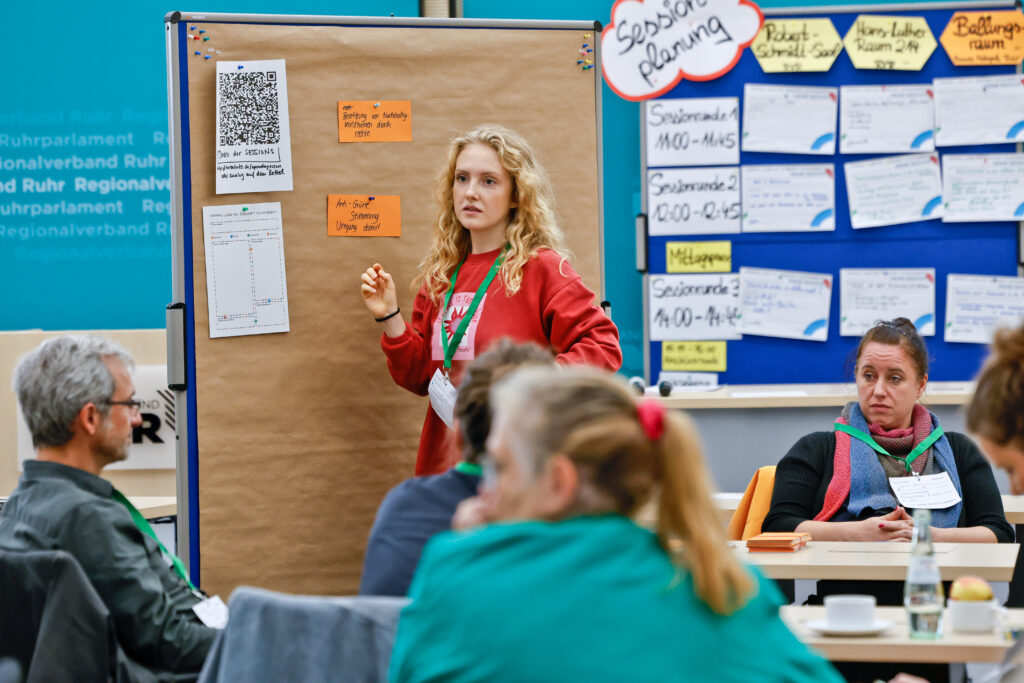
[[651, 45]]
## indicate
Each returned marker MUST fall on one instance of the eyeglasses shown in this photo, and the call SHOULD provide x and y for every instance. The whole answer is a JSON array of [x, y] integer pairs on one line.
[[133, 404]]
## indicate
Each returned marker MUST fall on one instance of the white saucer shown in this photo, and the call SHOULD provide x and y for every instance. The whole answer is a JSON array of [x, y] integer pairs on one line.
[[822, 627]]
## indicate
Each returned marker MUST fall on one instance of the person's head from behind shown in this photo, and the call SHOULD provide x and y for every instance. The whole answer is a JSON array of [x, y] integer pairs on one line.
[[891, 371], [995, 415], [472, 403], [574, 441], [492, 182], [77, 390]]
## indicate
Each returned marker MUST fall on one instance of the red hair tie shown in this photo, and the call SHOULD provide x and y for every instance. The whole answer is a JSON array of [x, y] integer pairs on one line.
[[652, 418]]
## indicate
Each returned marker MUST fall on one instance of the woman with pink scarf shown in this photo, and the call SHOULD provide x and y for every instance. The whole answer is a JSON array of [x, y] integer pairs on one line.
[[837, 485]]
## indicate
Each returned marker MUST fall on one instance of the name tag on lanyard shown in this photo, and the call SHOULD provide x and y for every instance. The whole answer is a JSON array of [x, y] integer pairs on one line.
[[929, 491], [442, 398]]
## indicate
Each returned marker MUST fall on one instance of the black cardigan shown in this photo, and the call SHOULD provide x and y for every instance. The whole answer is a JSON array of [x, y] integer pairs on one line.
[[803, 475]]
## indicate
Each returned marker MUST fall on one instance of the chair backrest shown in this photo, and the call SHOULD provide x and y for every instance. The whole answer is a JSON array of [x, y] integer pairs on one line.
[[753, 508], [53, 622]]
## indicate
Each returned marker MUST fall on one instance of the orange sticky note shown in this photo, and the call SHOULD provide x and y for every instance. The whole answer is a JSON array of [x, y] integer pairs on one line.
[[375, 121], [360, 215]]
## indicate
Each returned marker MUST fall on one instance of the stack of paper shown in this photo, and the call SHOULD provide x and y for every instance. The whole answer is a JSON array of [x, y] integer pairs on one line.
[[777, 542]]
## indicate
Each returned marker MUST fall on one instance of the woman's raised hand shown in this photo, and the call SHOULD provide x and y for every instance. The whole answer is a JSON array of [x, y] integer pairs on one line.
[[378, 290]]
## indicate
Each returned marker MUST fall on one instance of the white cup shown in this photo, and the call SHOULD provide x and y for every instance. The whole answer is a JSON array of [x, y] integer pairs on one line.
[[974, 616], [850, 611]]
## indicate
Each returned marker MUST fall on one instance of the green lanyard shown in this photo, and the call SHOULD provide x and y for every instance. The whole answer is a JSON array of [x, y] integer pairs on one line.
[[452, 345], [144, 527], [918, 449], [470, 468]]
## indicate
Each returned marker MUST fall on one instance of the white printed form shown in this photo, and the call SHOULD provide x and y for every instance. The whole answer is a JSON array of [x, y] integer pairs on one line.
[[693, 201], [790, 198], [785, 303], [978, 111], [693, 307], [692, 131], [867, 295], [977, 305], [894, 190], [886, 118], [245, 278], [795, 119], [983, 187], [254, 149]]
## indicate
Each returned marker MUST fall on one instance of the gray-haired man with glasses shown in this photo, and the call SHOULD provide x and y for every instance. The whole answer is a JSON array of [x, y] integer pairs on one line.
[[77, 396]]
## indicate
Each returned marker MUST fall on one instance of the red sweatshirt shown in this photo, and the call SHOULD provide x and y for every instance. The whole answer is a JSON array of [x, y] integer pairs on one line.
[[553, 309]]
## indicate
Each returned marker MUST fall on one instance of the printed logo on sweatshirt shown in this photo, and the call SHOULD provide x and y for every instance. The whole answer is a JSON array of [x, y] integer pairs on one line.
[[457, 309]]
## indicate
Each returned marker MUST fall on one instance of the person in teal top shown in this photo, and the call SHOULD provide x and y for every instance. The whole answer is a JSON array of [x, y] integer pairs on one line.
[[562, 585]]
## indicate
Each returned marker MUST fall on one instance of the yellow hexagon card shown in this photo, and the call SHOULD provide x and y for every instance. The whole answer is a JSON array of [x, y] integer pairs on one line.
[[796, 45], [984, 38], [889, 43]]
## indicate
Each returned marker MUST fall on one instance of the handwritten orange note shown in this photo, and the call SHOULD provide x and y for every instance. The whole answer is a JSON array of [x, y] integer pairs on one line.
[[375, 121], [360, 215], [984, 38]]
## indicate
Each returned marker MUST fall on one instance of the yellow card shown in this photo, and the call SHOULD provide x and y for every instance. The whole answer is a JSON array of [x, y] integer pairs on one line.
[[695, 356], [360, 215], [984, 38], [698, 257], [889, 43], [796, 45], [375, 121]]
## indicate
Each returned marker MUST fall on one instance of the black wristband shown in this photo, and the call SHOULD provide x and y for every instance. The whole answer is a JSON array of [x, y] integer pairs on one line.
[[389, 315]]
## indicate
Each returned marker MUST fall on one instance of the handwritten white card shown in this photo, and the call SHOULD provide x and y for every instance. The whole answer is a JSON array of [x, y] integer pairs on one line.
[[886, 118], [785, 303], [867, 295], [978, 305], [927, 491], [693, 201], [783, 118], [245, 277], [692, 131], [983, 187], [689, 381], [978, 111], [693, 307], [791, 198], [253, 140], [894, 190]]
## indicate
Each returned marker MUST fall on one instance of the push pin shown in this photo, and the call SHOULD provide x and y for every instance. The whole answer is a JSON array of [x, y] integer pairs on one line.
[[376, 104], [205, 38], [206, 56], [638, 385], [665, 388], [203, 30]]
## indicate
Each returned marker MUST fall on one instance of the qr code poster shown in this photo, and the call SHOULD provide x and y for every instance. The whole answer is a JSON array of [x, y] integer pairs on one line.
[[254, 150]]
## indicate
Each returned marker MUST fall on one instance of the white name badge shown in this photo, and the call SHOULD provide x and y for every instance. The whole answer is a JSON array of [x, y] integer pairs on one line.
[[212, 612], [929, 491], [442, 398]]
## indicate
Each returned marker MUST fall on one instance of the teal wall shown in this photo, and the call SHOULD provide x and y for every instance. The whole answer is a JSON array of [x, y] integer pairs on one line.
[[95, 69]]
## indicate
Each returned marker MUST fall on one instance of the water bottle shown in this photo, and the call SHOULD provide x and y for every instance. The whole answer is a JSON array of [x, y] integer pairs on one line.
[[922, 593]]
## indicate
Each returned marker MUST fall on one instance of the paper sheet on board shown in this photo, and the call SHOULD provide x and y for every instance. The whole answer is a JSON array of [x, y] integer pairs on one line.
[[983, 187], [253, 140], [894, 190], [977, 305], [693, 307], [692, 131], [790, 198], [245, 275], [886, 118], [867, 295], [795, 119], [785, 303], [693, 201], [978, 111]]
